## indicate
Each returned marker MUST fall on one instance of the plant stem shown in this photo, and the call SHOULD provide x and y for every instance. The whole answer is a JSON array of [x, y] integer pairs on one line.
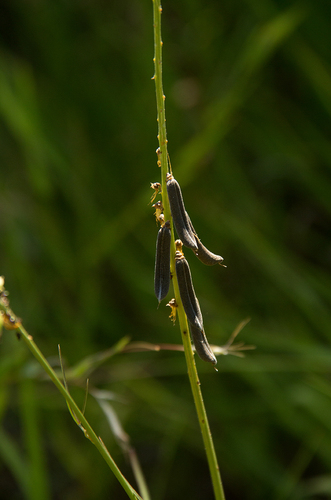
[[160, 103], [74, 409], [198, 400], [189, 356]]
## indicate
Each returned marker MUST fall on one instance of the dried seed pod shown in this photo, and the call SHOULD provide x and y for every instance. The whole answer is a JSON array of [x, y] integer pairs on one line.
[[202, 346], [162, 262], [204, 255], [179, 213], [187, 294]]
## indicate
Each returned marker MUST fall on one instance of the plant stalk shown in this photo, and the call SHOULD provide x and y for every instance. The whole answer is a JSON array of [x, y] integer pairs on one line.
[[189, 355], [74, 409]]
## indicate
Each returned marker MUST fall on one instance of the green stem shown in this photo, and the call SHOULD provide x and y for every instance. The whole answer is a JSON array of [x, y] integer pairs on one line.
[[160, 104], [189, 356], [74, 409], [198, 400]]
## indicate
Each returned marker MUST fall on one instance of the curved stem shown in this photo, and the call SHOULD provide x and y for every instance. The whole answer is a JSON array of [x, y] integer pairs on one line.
[[73, 408]]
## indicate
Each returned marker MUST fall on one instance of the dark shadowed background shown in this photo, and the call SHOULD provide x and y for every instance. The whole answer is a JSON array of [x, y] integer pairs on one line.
[[248, 87]]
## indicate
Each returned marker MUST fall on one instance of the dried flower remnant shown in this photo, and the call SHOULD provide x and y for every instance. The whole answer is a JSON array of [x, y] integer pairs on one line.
[[173, 304], [179, 214], [161, 220], [158, 210], [162, 262], [7, 318], [10, 322], [179, 246], [158, 152], [157, 190]]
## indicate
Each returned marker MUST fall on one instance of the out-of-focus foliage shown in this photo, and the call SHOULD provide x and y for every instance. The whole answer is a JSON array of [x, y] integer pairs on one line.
[[248, 86]]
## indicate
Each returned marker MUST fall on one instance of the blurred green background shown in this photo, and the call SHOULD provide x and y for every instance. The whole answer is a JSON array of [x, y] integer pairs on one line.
[[248, 87]]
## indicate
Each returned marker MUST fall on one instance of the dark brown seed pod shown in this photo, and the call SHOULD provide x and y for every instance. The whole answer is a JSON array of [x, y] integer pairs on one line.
[[187, 294], [162, 262], [179, 213], [204, 255], [201, 345]]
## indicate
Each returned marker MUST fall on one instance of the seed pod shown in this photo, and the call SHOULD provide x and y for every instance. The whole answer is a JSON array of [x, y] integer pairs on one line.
[[201, 345], [204, 255], [179, 214], [187, 293], [162, 262]]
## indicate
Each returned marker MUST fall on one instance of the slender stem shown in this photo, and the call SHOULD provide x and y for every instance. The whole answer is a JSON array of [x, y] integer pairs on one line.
[[189, 356], [198, 400], [74, 409], [160, 104]]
